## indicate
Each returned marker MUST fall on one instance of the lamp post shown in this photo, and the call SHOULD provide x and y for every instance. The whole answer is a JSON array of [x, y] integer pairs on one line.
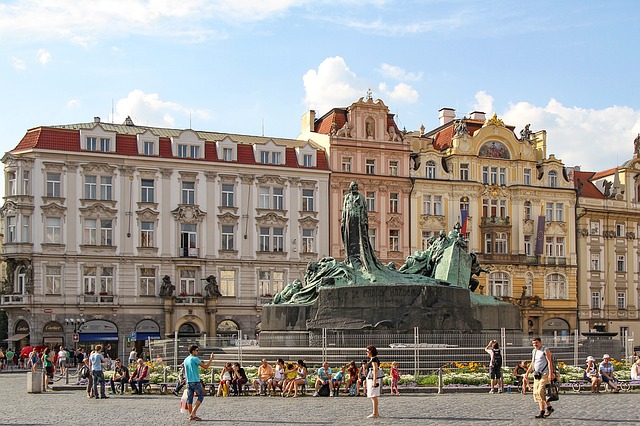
[[76, 323]]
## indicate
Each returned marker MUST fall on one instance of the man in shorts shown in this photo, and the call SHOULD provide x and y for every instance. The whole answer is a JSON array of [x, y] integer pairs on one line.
[[495, 365], [62, 360], [542, 367], [191, 368]]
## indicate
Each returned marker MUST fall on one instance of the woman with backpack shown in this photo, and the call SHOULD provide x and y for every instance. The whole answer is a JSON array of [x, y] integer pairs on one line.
[[495, 365]]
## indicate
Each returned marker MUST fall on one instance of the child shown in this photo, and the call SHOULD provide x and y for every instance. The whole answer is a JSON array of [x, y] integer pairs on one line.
[[395, 377], [225, 380], [337, 380]]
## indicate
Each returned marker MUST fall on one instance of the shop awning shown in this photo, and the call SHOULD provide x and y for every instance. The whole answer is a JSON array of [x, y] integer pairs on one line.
[[98, 337], [16, 337], [145, 336]]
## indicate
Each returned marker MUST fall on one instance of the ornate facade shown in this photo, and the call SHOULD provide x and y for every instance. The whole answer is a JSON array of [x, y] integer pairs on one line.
[[114, 230], [516, 206]]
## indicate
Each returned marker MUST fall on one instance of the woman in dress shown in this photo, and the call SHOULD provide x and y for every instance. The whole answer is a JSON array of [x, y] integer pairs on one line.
[[374, 384]]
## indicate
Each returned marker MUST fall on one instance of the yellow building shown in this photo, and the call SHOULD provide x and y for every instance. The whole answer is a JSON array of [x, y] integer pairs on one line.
[[608, 223], [519, 208]]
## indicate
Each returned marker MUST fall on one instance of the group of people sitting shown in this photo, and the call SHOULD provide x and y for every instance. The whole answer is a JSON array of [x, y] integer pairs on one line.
[[603, 373]]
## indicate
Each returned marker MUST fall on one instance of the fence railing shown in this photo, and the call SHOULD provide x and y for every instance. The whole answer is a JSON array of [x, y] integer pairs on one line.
[[416, 354]]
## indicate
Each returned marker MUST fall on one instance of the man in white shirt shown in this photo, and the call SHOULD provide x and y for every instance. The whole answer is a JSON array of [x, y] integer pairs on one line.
[[62, 360]]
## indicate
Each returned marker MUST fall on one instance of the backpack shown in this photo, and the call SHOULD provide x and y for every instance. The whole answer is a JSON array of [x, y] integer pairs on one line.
[[352, 390], [84, 372], [497, 359], [324, 390]]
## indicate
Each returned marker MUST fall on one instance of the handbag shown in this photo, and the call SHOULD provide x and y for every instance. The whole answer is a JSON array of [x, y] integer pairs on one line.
[[183, 402], [551, 390], [380, 374]]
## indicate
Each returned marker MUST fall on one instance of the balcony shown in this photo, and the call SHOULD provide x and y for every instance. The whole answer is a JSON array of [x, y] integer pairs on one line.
[[189, 300], [14, 299], [511, 259], [189, 252], [97, 299], [495, 221]]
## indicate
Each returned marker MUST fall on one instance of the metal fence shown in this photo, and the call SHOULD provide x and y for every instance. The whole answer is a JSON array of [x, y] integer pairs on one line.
[[416, 354]]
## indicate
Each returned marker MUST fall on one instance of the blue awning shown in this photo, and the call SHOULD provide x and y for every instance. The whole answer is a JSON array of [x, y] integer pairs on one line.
[[98, 337], [145, 336]]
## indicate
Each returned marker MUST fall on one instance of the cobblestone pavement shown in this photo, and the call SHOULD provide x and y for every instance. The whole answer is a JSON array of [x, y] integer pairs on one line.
[[72, 407]]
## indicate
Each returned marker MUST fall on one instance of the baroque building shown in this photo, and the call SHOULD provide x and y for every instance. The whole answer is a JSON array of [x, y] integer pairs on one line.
[[124, 231], [515, 204], [363, 144], [608, 225]]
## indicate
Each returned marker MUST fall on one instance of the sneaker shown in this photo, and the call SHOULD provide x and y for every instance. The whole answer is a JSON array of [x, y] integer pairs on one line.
[[492, 391], [549, 411], [315, 394], [499, 390], [331, 394]]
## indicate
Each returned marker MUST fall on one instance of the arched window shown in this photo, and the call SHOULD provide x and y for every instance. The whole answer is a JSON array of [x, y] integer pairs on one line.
[[464, 203], [527, 210], [499, 284], [20, 279], [553, 179], [555, 287], [430, 167], [227, 327]]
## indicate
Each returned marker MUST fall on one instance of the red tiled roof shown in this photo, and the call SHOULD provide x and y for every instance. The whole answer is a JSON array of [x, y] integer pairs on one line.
[[245, 154], [604, 173], [443, 135], [323, 124], [588, 190], [127, 144]]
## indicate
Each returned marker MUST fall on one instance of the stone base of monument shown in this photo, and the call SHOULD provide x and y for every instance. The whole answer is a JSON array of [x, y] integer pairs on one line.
[[388, 309]]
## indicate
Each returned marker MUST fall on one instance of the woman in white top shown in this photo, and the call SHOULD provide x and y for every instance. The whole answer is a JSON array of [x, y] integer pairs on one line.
[[635, 370], [592, 374], [277, 380]]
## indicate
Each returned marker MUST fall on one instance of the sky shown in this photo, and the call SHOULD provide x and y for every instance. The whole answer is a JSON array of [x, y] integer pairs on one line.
[[256, 66]]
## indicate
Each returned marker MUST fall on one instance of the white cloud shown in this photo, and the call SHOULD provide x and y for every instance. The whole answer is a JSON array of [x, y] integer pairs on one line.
[[332, 85], [401, 92], [484, 103], [147, 109], [43, 56], [73, 103], [18, 63], [397, 73], [595, 139]]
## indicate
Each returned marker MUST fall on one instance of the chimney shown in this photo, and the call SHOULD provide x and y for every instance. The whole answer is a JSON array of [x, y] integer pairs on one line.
[[478, 115], [446, 115], [96, 119], [308, 121]]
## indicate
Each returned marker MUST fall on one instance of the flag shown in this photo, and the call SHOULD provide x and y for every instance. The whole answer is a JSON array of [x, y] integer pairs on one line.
[[464, 215]]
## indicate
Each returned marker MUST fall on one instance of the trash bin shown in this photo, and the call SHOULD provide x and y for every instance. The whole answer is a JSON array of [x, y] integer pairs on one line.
[[34, 382]]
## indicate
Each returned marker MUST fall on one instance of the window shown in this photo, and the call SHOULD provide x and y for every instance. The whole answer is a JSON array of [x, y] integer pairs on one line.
[[485, 175], [271, 198], [370, 198], [271, 239], [227, 237], [90, 187], [426, 236], [307, 200], [188, 151], [548, 246], [394, 240], [373, 238], [52, 279], [393, 202], [621, 261], [553, 179], [559, 246], [25, 183], [105, 144], [228, 282], [549, 212], [264, 157], [494, 208], [464, 172], [53, 230], [106, 280], [559, 212], [488, 243], [91, 232], [182, 151], [147, 193], [227, 154], [555, 287], [503, 176], [106, 232], [393, 168], [227, 195], [26, 234], [437, 205], [106, 188], [619, 230], [11, 183], [595, 300], [430, 168], [270, 282], [370, 166], [527, 177], [188, 193], [265, 237], [595, 261], [426, 204], [499, 284], [89, 280], [188, 282], [147, 282], [149, 148], [346, 164], [493, 175], [53, 185], [92, 144], [278, 198], [308, 241], [595, 227], [527, 245], [189, 239], [278, 239], [502, 242], [307, 160], [464, 204], [527, 210], [270, 157], [146, 234], [621, 299]]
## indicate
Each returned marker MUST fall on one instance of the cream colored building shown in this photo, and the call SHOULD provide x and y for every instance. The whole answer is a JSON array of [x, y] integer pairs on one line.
[[608, 225], [520, 207], [363, 144], [101, 219]]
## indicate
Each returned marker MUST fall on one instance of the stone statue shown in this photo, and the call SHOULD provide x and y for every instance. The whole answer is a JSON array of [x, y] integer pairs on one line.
[[607, 188], [211, 289], [476, 269], [370, 129], [461, 127], [326, 271], [345, 131], [393, 135], [354, 228], [636, 145], [287, 293], [166, 289], [525, 134]]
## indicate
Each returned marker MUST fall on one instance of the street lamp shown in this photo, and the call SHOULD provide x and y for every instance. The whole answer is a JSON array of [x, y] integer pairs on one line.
[[76, 323]]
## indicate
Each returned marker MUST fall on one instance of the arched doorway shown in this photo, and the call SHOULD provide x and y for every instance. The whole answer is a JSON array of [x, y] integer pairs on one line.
[[189, 329], [227, 328], [554, 326], [20, 337], [53, 334], [95, 332]]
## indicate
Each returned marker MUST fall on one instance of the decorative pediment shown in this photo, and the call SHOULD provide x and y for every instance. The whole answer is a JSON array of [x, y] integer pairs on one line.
[[228, 218], [98, 210], [493, 191], [228, 179], [271, 219], [247, 179], [188, 175], [555, 228], [98, 168], [187, 213], [271, 179], [148, 215], [432, 223], [374, 219], [53, 209], [395, 222], [308, 184], [211, 176], [147, 173], [53, 167], [9, 208], [308, 222], [527, 227]]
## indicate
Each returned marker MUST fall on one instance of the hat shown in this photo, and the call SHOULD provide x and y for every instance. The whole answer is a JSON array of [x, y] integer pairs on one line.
[[605, 356], [590, 358]]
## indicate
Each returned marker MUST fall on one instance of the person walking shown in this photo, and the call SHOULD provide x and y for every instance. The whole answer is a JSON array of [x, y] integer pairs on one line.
[[542, 367], [191, 368], [495, 365], [96, 360], [374, 381]]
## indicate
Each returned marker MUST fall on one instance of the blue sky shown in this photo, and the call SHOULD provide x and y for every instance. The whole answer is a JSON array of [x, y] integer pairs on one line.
[[238, 66]]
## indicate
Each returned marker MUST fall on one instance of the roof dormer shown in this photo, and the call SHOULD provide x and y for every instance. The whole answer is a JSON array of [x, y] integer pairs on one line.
[[97, 139], [187, 145], [148, 143], [307, 156], [227, 149], [269, 153]]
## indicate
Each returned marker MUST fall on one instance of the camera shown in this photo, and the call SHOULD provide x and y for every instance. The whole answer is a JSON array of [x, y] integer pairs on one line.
[[537, 376]]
